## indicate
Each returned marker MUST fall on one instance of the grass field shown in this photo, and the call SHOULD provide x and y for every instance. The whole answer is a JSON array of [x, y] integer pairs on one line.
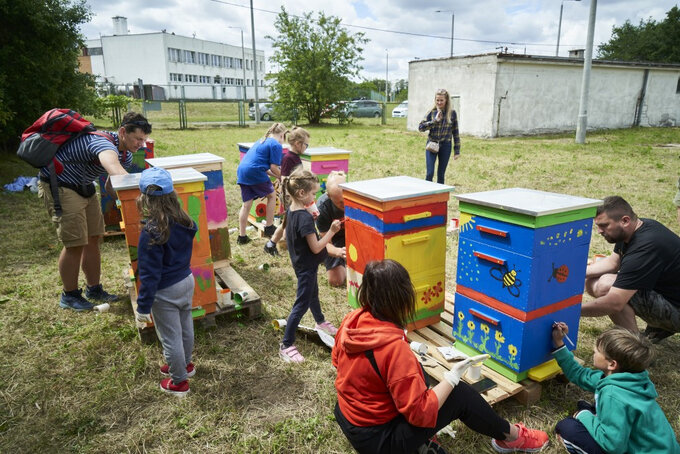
[[84, 383]]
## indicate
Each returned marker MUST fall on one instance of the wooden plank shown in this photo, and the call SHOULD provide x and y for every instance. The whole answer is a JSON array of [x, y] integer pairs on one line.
[[444, 330], [433, 336], [235, 283], [448, 318]]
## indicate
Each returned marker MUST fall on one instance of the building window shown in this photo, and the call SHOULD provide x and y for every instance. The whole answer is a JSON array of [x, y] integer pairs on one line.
[[248, 64], [203, 59], [227, 62], [191, 78], [174, 77], [239, 63], [204, 79], [260, 65], [174, 55], [92, 51], [189, 56], [216, 60]]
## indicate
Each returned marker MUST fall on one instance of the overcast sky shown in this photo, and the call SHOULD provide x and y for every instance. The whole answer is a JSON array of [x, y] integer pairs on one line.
[[395, 27]]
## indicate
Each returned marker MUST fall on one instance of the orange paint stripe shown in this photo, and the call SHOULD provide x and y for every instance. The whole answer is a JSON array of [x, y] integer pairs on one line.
[[513, 311]]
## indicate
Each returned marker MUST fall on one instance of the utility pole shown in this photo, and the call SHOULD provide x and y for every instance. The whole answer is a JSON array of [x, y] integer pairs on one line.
[[252, 32], [387, 62], [582, 124], [452, 23], [559, 27], [243, 63]]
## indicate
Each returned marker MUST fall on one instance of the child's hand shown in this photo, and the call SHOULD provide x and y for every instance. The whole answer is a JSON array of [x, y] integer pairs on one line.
[[559, 330], [439, 116], [342, 253], [336, 226]]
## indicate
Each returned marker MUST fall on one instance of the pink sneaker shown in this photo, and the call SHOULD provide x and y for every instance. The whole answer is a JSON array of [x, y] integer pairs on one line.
[[529, 440], [327, 327], [291, 354], [191, 370]]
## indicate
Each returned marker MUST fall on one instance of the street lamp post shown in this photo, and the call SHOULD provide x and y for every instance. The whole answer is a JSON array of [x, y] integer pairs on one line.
[[252, 29], [387, 62], [243, 62], [559, 26], [452, 23]]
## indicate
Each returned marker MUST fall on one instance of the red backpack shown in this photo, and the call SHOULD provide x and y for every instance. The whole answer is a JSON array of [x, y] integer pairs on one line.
[[40, 142]]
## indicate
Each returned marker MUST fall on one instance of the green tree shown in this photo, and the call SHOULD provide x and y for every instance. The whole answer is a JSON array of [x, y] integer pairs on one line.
[[39, 47], [649, 41], [316, 58]]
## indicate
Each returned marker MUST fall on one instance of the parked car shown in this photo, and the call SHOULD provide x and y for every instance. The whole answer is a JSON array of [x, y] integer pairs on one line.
[[266, 111], [401, 110], [365, 108]]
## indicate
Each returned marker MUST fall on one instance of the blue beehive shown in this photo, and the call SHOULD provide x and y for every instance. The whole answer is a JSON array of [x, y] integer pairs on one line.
[[521, 266]]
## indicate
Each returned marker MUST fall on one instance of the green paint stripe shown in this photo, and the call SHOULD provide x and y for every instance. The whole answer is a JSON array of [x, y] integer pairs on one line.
[[524, 219], [494, 365]]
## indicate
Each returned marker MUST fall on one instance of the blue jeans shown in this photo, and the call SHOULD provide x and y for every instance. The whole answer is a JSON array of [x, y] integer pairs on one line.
[[443, 155], [307, 298], [575, 437]]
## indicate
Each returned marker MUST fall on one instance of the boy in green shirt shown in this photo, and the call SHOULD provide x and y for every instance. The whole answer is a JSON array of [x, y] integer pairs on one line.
[[626, 416]]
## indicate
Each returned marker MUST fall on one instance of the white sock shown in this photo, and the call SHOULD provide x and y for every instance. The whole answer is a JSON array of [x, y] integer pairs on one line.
[[270, 243]]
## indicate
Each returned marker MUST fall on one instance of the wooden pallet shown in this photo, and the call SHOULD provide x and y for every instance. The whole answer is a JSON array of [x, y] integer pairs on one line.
[[228, 278], [434, 363]]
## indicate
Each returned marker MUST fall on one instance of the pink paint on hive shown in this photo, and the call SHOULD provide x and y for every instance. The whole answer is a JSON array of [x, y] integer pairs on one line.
[[203, 272], [216, 207]]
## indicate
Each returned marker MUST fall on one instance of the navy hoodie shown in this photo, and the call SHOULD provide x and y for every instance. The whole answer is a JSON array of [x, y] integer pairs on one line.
[[162, 265]]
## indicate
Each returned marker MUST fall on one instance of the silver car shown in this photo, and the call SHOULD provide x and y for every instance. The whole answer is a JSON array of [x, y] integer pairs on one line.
[[266, 111], [401, 111]]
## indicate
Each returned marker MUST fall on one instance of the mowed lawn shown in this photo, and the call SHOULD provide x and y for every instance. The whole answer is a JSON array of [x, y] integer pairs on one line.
[[84, 383]]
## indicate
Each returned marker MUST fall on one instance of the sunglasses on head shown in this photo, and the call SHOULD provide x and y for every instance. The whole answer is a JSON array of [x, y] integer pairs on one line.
[[144, 125]]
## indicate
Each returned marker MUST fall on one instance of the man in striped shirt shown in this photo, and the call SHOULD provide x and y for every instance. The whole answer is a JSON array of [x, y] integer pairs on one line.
[[81, 226]]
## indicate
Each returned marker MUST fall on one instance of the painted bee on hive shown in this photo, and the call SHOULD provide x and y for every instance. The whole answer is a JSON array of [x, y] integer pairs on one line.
[[560, 274], [507, 277]]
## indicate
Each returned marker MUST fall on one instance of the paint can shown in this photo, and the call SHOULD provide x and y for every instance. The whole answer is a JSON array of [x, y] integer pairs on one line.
[[263, 267], [474, 372], [100, 309], [453, 223], [279, 323], [240, 297], [418, 347]]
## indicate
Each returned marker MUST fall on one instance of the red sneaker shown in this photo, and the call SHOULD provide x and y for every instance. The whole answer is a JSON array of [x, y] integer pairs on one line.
[[191, 370], [529, 440], [179, 389]]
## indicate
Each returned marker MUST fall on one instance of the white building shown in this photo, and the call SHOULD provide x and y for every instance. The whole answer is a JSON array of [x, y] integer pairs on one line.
[[183, 67], [505, 94]]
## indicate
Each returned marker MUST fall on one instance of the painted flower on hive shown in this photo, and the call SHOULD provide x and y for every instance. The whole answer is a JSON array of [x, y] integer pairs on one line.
[[437, 289], [459, 325], [499, 337], [261, 210], [484, 328], [471, 325], [427, 296], [485, 338], [461, 316], [512, 350]]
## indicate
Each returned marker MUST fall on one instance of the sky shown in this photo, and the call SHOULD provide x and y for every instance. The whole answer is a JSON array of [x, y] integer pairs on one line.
[[399, 30]]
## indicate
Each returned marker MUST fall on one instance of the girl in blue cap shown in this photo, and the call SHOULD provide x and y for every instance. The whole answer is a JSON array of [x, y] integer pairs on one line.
[[166, 284]]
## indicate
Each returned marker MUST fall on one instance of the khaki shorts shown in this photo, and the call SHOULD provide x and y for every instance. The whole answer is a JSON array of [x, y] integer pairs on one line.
[[656, 310], [81, 218]]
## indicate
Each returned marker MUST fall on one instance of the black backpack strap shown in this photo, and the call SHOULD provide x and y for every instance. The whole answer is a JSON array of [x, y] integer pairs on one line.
[[371, 358], [54, 189]]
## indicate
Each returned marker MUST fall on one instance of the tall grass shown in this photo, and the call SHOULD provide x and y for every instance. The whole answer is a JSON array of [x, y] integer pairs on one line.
[[84, 383]]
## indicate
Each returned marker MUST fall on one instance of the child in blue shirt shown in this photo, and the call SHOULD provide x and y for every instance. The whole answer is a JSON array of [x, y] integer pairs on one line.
[[306, 251], [626, 416], [166, 283], [262, 161]]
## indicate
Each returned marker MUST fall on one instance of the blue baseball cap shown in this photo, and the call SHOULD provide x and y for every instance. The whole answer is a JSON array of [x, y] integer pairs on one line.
[[156, 176]]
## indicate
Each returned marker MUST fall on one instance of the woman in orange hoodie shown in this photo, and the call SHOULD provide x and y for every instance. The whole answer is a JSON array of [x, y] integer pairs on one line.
[[384, 404]]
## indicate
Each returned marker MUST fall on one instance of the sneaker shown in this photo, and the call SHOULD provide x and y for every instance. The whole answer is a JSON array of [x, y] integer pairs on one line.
[[191, 370], [269, 230], [272, 250], [656, 335], [529, 440], [98, 293], [179, 389], [74, 300], [431, 447], [291, 354], [327, 327], [243, 239]]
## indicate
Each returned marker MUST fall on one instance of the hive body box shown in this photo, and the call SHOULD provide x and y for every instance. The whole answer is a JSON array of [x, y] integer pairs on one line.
[[209, 165], [521, 266], [189, 185], [112, 216], [324, 160], [404, 219]]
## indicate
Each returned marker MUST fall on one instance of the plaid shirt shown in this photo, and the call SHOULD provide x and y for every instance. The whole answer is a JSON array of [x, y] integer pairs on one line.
[[441, 131]]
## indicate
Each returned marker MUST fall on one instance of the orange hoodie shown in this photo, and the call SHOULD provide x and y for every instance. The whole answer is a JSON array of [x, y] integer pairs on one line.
[[365, 399]]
